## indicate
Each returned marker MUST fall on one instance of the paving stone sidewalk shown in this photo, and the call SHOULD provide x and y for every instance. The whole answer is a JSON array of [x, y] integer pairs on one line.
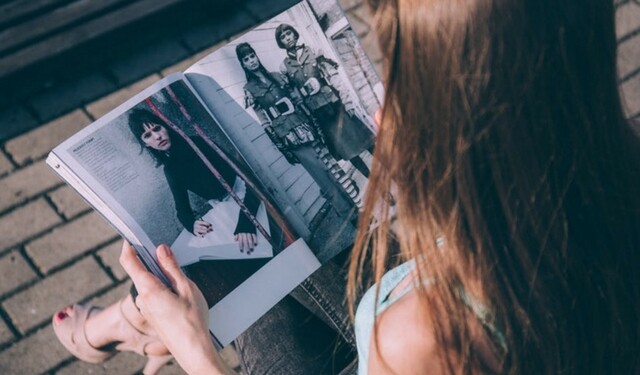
[[54, 250]]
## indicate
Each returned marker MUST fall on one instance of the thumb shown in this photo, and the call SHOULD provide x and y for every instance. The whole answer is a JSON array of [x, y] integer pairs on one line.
[[170, 267], [377, 118]]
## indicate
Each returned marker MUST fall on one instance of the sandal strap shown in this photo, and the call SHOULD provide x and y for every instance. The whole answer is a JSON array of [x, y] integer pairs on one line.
[[76, 340], [145, 339], [154, 362]]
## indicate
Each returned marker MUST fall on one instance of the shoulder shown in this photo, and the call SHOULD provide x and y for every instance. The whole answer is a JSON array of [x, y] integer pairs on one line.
[[204, 148], [198, 141], [170, 173], [283, 66], [251, 85], [406, 340], [280, 77], [248, 95]]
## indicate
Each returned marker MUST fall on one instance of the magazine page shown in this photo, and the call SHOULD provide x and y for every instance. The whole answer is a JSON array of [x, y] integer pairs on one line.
[[296, 95], [168, 172]]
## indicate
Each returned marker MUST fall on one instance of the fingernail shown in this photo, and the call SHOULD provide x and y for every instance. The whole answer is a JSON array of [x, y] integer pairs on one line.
[[165, 251]]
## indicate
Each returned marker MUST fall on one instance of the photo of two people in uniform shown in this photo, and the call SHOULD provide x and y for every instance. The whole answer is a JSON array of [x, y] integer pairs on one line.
[[283, 118], [302, 112], [316, 78]]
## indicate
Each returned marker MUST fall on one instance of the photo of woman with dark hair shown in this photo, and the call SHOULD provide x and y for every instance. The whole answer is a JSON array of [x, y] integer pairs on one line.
[[186, 172], [279, 111], [315, 76]]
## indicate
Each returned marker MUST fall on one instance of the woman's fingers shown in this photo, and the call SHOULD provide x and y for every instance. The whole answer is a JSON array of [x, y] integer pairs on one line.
[[237, 239], [180, 320], [171, 269], [377, 117], [201, 227], [246, 242], [142, 279], [240, 241]]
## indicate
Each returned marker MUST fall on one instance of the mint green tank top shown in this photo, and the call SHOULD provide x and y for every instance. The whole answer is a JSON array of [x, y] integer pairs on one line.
[[368, 310]]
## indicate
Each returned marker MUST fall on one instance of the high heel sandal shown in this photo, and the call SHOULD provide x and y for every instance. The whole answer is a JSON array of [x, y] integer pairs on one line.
[[70, 330], [154, 362]]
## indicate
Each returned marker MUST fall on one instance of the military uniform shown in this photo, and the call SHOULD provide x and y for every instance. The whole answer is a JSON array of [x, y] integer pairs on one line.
[[311, 74], [291, 131]]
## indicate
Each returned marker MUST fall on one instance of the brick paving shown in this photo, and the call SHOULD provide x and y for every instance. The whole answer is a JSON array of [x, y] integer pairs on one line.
[[55, 251], [37, 143], [628, 29]]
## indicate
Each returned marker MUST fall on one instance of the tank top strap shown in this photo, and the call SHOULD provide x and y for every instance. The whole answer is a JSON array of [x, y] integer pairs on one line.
[[390, 283]]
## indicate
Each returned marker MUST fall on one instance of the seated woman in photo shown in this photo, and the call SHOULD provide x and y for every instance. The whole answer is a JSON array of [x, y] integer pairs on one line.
[[185, 172], [95, 334]]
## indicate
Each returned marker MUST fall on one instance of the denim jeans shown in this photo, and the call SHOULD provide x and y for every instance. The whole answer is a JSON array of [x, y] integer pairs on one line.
[[308, 332]]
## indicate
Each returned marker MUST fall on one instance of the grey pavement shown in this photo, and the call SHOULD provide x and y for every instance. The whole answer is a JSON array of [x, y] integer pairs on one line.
[[55, 251]]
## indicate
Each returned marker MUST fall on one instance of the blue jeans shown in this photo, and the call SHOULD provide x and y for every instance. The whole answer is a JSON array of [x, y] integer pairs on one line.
[[308, 332]]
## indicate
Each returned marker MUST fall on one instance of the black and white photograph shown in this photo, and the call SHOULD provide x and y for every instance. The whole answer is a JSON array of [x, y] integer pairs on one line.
[[179, 178], [233, 217], [168, 170], [283, 94], [251, 164]]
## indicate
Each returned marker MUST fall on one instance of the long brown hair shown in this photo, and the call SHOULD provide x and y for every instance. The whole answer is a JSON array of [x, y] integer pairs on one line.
[[502, 133]]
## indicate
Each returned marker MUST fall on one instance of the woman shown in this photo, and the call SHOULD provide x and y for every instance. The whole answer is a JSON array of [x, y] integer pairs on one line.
[[316, 78], [185, 172], [515, 178], [278, 109]]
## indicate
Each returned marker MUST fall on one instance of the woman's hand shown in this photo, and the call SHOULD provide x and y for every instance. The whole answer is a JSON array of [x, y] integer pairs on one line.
[[377, 119], [246, 242], [180, 317], [201, 227]]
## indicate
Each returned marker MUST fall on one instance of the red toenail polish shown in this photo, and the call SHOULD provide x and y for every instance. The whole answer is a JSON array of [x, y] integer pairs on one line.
[[61, 315]]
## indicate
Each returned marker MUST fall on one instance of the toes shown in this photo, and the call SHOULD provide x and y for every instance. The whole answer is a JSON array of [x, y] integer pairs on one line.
[[69, 310], [60, 316], [63, 314]]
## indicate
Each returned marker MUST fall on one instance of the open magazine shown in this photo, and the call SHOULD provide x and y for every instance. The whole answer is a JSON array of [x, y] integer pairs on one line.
[[251, 164]]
